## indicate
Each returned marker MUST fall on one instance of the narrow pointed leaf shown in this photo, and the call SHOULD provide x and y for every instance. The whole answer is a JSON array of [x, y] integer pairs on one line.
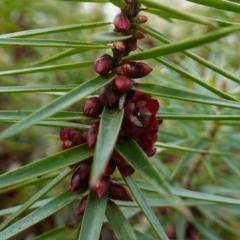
[[60, 116], [68, 231], [194, 150], [175, 11], [57, 105], [143, 236], [56, 29], [232, 165], [159, 90], [184, 44], [180, 70], [47, 68], [47, 210], [46, 165], [147, 211], [93, 217], [107, 37], [159, 36], [135, 156], [119, 3], [185, 160], [223, 5], [49, 43], [119, 223], [110, 124], [35, 197], [190, 116]]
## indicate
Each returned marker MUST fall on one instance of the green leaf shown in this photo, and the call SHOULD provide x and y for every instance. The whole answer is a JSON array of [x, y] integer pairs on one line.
[[159, 90], [119, 3], [184, 44], [106, 37], [147, 211], [199, 144], [135, 156], [57, 29], [57, 105], [194, 116], [110, 124], [119, 223], [45, 88], [143, 236], [47, 210], [223, 5], [35, 197], [194, 150], [176, 12], [49, 43], [46, 165], [232, 165], [68, 231], [165, 39], [47, 68], [37, 204], [66, 53], [88, 1], [180, 70], [93, 217]]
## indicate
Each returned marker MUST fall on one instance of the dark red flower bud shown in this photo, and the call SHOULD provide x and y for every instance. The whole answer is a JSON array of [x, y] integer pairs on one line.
[[76, 137], [132, 44], [66, 145], [77, 182], [103, 64], [91, 137], [141, 19], [119, 46], [109, 169], [126, 170], [101, 187], [108, 96], [150, 151], [139, 35], [134, 69], [64, 134], [121, 23], [118, 159], [82, 206], [84, 170], [123, 84], [119, 192], [92, 107]]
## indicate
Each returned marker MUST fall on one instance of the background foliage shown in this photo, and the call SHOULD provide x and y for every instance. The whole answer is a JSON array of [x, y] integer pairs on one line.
[[198, 143]]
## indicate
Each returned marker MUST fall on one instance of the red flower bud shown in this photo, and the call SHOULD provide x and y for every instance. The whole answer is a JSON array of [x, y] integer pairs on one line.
[[82, 206], [141, 19], [66, 145], [108, 96], [77, 182], [64, 134], [91, 137], [109, 169], [121, 23], [150, 151], [92, 107], [134, 69], [118, 159], [126, 170], [119, 46], [132, 44], [76, 137], [123, 84], [119, 192], [103, 64], [84, 170], [139, 35], [102, 186]]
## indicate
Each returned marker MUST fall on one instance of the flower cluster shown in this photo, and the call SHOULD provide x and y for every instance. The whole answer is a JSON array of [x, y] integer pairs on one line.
[[139, 122]]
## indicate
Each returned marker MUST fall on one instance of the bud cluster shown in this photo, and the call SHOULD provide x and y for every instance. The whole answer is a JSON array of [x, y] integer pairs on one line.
[[140, 110]]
